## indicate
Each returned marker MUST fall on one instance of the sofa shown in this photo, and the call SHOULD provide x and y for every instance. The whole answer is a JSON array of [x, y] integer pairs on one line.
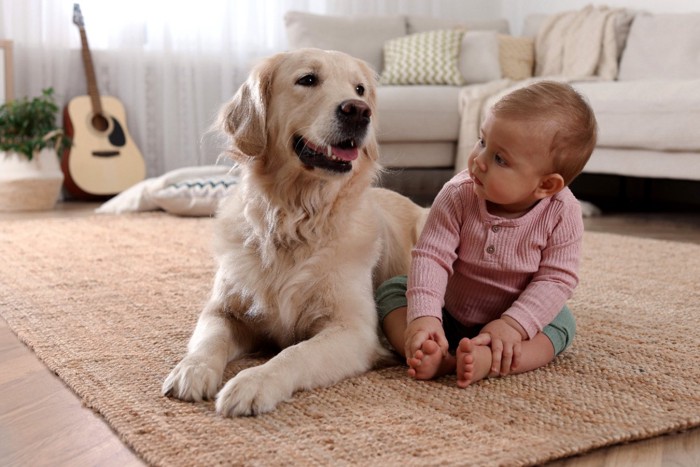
[[639, 71]]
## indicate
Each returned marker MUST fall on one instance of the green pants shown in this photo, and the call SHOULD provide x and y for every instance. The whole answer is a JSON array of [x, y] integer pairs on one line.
[[392, 295]]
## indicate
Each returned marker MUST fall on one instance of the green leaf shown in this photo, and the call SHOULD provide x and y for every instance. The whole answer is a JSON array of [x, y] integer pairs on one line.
[[25, 123]]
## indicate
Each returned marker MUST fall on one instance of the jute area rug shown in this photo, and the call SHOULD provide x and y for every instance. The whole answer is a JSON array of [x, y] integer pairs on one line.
[[108, 303]]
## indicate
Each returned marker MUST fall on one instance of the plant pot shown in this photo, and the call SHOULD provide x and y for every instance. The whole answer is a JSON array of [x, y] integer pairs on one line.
[[30, 185]]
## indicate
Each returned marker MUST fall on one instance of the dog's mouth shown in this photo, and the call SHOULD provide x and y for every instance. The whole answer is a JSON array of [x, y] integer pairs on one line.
[[335, 158]]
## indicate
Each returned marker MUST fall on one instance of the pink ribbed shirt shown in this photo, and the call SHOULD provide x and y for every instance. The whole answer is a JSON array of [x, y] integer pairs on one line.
[[480, 266]]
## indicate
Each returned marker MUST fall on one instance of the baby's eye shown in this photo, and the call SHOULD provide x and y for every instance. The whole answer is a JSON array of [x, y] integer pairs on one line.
[[499, 160], [481, 142]]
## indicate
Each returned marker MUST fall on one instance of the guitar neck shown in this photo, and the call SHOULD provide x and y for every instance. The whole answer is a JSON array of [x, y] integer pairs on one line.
[[90, 75]]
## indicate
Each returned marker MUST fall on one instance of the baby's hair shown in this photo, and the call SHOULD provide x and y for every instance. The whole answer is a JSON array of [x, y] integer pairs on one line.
[[560, 105]]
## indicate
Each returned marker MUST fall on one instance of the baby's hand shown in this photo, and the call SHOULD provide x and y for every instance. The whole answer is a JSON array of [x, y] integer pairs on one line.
[[420, 330], [506, 340]]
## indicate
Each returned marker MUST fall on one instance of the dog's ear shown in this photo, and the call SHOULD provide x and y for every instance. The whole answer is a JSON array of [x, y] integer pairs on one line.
[[244, 118], [372, 80]]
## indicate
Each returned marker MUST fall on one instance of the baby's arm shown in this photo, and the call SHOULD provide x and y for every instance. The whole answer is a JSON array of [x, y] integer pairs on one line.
[[431, 266], [556, 278]]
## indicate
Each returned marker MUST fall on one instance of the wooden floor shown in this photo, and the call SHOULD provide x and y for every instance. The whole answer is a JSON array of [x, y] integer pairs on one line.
[[43, 423]]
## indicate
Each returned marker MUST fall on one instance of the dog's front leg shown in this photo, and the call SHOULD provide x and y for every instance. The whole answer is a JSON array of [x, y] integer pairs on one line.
[[216, 340], [335, 353]]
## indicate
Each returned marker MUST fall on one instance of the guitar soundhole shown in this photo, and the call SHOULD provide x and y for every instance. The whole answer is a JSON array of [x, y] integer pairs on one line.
[[100, 123]]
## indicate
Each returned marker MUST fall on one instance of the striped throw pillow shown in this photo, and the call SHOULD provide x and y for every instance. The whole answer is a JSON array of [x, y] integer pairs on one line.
[[423, 58], [196, 196]]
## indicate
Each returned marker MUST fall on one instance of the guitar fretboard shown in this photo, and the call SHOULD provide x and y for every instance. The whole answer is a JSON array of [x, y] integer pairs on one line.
[[90, 75]]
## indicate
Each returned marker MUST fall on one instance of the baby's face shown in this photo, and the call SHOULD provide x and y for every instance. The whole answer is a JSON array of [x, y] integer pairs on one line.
[[509, 160]]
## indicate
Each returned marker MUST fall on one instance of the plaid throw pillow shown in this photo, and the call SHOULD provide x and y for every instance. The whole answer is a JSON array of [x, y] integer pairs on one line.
[[423, 58]]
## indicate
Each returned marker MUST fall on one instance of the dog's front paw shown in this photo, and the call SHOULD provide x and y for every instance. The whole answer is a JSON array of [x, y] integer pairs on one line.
[[193, 379], [251, 392]]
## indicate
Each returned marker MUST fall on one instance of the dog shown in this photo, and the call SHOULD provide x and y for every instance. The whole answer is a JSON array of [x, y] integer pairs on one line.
[[303, 240]]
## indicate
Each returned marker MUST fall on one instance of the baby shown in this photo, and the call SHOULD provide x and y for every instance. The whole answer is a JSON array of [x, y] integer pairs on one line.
[[498, 257]]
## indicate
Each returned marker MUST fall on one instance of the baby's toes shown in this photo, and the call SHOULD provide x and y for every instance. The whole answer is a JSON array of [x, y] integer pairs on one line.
[[430, 347], [415, 362]]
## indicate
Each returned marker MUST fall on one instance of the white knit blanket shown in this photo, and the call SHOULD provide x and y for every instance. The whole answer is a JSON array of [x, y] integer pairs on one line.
[[579, 44]]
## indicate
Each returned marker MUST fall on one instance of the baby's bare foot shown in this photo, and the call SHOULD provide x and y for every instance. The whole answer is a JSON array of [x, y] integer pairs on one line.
[[428, 362], [473, 362]]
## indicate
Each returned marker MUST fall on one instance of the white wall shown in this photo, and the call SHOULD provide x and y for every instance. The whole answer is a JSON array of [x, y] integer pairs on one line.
[[515, 11]]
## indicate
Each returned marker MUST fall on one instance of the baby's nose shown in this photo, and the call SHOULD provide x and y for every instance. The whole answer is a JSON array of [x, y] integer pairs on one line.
[[480, 163]]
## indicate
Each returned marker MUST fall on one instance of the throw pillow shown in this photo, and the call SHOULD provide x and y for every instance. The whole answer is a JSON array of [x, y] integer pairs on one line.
[[188, 191], [423, 58], [478, 57], [195, 196], [517, 56]]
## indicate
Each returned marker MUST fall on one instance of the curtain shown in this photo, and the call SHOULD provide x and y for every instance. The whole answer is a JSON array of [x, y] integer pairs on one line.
[[172, 64]]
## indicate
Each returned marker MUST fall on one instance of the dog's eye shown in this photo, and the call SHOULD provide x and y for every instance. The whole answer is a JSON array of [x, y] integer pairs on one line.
[[308, 80], [360, 89]]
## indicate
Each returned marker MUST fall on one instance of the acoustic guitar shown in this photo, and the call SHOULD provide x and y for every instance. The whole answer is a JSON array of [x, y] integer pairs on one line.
[[103, 159]]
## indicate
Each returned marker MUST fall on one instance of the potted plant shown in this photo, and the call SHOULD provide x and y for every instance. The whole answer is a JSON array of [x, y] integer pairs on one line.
[[30, 141]]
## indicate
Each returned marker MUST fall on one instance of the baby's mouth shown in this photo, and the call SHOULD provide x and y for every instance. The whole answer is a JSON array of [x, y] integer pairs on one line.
[[475, 178]]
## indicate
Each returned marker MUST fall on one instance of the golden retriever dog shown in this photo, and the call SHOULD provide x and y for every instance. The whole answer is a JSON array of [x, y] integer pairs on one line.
[[302, 242]]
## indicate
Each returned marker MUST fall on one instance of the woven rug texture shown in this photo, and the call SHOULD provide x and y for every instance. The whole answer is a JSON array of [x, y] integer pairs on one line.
[[108, 303]]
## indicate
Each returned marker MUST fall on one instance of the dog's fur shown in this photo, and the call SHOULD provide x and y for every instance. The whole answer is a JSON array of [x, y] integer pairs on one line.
[[303, 241]]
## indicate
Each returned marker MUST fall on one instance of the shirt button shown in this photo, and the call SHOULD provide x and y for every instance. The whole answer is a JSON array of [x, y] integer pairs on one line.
[[495, 228], [490, 249]]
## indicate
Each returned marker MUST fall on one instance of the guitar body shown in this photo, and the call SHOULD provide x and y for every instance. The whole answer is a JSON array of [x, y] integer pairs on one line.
[[103, 159]]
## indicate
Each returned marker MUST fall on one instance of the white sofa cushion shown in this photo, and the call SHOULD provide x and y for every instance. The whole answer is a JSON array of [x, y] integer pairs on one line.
[[418, 113], [360, 36], [659, 115], [478, 57], [662, 46], [428, 23], [643, 163]]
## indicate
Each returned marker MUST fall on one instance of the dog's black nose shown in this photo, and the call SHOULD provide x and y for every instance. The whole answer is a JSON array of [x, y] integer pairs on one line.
[[354, 111]]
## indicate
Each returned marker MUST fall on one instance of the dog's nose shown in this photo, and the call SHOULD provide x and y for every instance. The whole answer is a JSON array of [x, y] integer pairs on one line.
[[355, 110]]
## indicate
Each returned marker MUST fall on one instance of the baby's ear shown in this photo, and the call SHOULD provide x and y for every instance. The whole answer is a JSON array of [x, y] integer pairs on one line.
[[550, 185]]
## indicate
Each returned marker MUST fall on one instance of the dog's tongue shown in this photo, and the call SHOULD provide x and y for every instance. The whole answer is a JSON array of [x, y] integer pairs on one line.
[[345, 154]]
